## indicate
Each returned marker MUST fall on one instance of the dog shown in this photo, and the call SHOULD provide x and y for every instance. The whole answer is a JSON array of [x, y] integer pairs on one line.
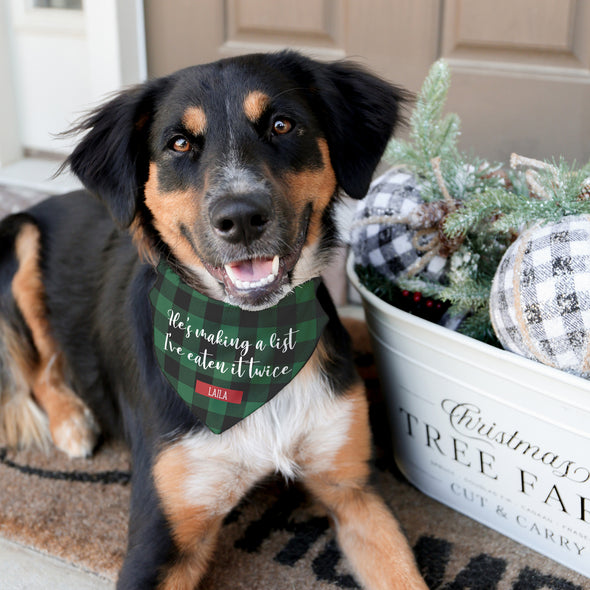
[[228, 173]]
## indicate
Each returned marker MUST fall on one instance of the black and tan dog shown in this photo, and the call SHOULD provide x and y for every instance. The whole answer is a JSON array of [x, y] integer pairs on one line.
[[229, 172]]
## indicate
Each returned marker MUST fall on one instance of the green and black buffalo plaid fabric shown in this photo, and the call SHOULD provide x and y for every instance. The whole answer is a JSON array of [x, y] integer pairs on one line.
[[226, 362]]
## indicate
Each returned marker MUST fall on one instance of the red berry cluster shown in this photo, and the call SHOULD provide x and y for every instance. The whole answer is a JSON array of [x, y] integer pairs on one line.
[[415, 303]]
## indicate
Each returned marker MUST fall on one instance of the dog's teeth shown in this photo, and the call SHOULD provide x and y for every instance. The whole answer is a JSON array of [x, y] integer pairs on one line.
[[245, 285], [230, 274]]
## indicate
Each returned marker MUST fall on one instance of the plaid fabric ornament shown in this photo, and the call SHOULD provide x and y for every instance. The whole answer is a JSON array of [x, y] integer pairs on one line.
[[225, 362], [384, 229], [540, 296]]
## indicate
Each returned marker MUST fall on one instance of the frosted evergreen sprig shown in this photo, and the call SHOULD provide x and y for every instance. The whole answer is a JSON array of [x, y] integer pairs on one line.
[[557, 189], [554, 190], [479, 212], [432, 136]]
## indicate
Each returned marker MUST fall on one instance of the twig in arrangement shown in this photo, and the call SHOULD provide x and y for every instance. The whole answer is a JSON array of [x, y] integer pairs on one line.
[[441, 184]]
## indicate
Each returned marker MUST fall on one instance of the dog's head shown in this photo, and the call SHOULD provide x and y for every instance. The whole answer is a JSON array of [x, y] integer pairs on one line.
[[231, 170]]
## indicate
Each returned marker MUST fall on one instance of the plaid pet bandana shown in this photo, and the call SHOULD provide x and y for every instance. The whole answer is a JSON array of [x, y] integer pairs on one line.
[[225, 362]]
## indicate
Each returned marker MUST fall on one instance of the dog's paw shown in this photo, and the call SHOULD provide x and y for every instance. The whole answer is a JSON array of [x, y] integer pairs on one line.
[[77, 431]]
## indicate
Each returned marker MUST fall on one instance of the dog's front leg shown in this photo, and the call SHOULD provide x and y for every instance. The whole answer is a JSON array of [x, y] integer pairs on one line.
[[197, 489], [367, 532], [150, 547], [173, 527]]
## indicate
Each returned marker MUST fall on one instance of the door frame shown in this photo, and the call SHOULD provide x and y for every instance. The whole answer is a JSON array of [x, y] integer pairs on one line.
[[115, 39]]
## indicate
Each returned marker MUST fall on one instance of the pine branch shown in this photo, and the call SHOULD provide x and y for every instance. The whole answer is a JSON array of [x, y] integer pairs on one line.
[[564, 185], [467, 297], [446, 135], [480, 209], [430, 135], [559, 192], [429, 105], [427, 288], [477, 325]]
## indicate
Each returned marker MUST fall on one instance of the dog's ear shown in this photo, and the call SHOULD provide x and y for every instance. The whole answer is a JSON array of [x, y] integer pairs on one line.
[[112, 159], [360, 114]]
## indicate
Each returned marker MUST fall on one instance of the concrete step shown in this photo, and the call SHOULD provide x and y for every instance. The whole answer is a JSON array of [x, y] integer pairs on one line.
[[22, 568]]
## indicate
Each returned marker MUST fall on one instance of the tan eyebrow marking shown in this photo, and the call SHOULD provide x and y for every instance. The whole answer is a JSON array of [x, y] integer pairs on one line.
[[254, 105], [195, 120]]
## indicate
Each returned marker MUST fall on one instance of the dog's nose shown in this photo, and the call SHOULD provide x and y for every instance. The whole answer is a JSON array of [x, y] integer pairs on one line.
[[240, 219]]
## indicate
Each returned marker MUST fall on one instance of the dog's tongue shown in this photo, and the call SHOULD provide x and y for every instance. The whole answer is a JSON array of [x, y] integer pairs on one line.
[[250, 271]]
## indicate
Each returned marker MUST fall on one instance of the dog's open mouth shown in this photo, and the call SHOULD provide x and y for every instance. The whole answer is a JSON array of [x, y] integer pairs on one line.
[[255, 280], [251, 274]]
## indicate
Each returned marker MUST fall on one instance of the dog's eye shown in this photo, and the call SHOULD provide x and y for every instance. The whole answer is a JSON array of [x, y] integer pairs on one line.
[[180, 144], [281, 126]]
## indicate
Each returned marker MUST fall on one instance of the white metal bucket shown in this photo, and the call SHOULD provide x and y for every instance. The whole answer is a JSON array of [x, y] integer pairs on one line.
[[500, 438]]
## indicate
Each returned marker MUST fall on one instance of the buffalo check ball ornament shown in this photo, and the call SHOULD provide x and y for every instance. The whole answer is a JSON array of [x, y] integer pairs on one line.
[[540, 296], [225, 362], [387, 230]]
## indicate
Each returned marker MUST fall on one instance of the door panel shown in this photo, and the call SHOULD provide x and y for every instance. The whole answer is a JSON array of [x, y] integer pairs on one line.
[[256, 25], [181, 33], [527, 24], [10, 144], [315, 23], [521, 79]]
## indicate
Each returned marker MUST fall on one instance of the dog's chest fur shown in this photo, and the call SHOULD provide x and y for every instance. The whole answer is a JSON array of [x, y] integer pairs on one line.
[[298, 432]]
